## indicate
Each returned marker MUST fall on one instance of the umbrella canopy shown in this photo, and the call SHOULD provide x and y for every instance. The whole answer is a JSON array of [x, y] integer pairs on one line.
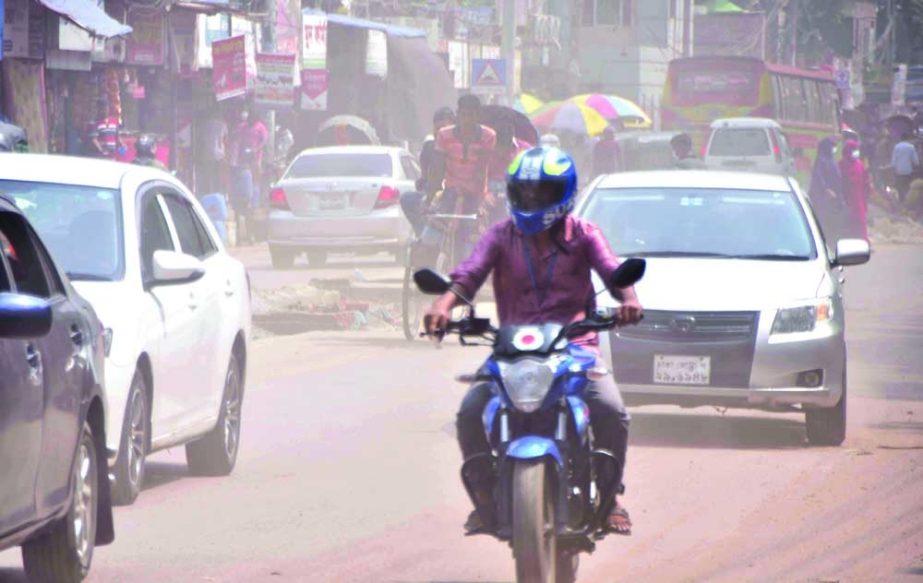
[[523, 129], [615, 107], [12, 137], [527, 104], [572, 117], [352, 128]]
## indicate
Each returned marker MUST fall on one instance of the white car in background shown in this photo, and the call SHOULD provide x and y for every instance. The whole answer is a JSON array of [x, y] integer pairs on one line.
[[341, 199], [743, 297], [176, 306], [749, 144]]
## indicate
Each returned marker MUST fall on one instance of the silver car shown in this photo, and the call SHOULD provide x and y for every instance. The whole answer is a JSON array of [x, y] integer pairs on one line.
[[743, 299], [342, 199]]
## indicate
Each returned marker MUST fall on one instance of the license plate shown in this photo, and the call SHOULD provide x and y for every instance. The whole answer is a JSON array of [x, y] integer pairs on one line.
[[332, 202], [682, 370]]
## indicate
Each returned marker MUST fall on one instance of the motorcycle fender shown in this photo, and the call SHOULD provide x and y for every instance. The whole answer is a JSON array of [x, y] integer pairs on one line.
[[532, 447], [581, 414], [490, 415]]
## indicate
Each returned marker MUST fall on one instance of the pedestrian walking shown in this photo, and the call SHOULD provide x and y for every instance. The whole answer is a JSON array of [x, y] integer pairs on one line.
[[904, 162], [856, 190]]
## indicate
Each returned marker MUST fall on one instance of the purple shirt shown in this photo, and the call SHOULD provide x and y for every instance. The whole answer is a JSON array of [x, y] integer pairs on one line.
[[561, 298]]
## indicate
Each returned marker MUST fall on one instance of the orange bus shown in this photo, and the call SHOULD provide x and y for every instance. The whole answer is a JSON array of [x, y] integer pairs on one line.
[[699, 90]]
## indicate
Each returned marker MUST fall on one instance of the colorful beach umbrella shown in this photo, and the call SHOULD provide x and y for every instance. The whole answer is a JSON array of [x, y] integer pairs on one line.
[[615, 107], [527, 104], [572, 117]]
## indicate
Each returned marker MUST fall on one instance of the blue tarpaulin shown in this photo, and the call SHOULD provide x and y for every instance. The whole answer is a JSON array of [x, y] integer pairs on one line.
[[389, 29], [89, 16]]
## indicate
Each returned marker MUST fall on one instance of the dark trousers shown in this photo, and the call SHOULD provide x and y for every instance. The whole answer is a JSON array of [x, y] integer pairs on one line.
[[902, 184], [608, 418]]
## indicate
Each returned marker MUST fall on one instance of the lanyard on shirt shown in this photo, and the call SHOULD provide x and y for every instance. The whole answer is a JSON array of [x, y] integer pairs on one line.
[[540, 292]]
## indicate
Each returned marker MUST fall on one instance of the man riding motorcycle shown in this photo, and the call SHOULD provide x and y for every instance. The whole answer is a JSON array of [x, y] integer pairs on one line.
[[146, 152], [541, 260]]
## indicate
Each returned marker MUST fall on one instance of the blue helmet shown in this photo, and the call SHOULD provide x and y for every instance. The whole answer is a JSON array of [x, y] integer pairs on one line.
[[541, 188]]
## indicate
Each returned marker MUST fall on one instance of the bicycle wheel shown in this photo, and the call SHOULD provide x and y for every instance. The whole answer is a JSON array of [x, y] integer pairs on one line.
[[413, 304]]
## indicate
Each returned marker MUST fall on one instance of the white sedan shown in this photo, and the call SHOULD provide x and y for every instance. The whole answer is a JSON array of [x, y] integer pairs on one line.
[[176, 306], [341, 199], [743, 296]]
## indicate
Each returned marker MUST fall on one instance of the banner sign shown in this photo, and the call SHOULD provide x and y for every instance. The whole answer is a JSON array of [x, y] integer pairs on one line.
[[229, 67], [275, 79], [146, 43], [314, 76]]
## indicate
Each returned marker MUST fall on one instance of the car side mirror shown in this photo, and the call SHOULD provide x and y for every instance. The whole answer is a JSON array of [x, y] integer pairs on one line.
[[23, 316], [628, 273], [851, 252], [430, 282], [171, 267]]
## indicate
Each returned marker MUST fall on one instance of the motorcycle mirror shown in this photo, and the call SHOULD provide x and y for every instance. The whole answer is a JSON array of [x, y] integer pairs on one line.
[[628, 273], [430, 282]]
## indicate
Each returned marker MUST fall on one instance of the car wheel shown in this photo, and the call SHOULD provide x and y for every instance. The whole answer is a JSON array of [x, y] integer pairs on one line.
[[129, 468], [317, 258], [216, 453], [827, 426], [281, 258], [64, 554]]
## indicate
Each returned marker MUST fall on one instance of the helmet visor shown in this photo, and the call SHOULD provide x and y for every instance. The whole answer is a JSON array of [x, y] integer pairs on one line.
[[533, 196]]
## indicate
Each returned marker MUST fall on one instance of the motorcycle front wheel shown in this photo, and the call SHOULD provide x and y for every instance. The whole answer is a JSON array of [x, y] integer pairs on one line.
[[534, 536]]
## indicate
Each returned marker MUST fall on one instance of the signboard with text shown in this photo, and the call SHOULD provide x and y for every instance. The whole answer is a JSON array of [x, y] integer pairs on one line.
[[147, 43], [275, 79], [229, 67], [314, 75]]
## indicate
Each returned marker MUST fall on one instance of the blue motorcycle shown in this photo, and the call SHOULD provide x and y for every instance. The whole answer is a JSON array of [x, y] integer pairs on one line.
[[552, 491]]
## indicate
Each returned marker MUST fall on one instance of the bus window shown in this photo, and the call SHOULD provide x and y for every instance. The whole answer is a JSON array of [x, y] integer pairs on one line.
[[778, 104], [793, 99], [813, 101]]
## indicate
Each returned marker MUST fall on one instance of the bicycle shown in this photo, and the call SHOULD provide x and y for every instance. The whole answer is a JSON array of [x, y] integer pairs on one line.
[[419, 253]]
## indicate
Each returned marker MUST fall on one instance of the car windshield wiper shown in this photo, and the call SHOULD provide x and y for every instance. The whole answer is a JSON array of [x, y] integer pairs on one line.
[[772, 257], [675, 254], [76, 275]]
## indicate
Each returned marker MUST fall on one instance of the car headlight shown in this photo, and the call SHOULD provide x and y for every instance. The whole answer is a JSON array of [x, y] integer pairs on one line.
[[802, 318], [527, 381]]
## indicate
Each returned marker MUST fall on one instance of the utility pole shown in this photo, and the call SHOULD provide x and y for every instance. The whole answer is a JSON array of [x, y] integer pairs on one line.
[[793, 15], [269, 46], [508, 47]]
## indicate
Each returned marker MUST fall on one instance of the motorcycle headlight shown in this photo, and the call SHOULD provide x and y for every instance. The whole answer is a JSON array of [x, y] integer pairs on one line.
[[802, 318], [527, 381]]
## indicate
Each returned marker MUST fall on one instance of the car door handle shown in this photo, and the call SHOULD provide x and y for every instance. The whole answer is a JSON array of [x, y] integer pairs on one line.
[[33, 357], [76, 336]]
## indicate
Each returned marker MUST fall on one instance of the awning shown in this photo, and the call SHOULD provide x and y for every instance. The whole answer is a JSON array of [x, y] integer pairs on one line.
[[389, 29], [89, 16]]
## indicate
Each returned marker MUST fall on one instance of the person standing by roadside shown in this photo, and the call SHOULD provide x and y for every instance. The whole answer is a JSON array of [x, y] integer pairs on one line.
[[683, 158], [904, 162], [856, 189], [103, 133], [606, 153], [826, 188], [216, 142]]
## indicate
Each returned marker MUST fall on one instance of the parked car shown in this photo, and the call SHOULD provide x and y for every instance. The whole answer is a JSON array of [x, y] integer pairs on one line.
[[743, 300], [54, 495], [751, 144], [140, 248], [343, 199]]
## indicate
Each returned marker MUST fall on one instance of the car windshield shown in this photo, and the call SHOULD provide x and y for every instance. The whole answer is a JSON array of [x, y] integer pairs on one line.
[[340, 165], [80, 225], [751, 224], [739, 142]]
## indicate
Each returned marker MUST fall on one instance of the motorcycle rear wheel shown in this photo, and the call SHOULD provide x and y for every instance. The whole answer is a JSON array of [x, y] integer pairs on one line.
[[534, 536]]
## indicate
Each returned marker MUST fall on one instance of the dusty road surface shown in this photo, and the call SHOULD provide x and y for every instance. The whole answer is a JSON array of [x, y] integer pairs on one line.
[[348, 471]]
